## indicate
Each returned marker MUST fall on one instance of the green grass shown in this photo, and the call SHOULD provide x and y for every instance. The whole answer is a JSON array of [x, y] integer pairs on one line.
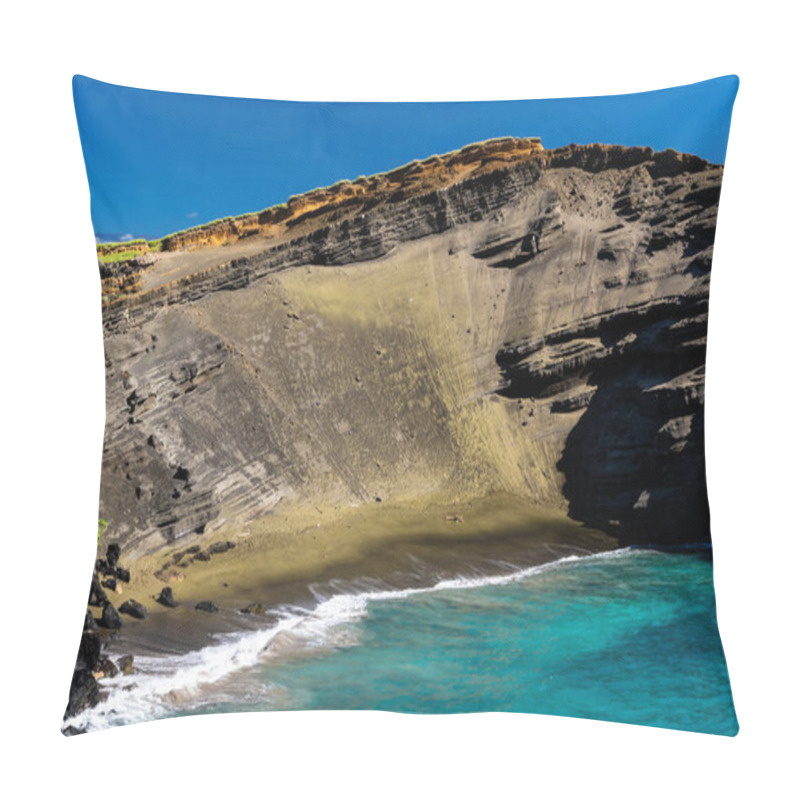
[[119, 255], [106, 246], [101, 527]]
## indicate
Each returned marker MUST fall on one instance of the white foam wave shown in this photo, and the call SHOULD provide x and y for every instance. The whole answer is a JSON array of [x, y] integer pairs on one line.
[[166, 685]]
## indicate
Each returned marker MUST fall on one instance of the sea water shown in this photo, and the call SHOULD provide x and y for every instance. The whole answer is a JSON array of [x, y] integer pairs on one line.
[[628, 636]]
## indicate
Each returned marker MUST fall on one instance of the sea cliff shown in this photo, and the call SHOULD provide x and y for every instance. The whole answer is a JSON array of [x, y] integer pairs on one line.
[[501, 319]]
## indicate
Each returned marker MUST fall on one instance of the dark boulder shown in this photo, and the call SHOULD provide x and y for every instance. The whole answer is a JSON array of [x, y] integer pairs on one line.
[[110, 583], [71, 730], [89, 623], [112, 555], [202, 556], [89, 650], [123, 574], [101, 566], [110, 618], [134, 609], [107, 667], [83, 693], [166, 598], [97, 597], [220, 547], [125, 665], [206, 605]]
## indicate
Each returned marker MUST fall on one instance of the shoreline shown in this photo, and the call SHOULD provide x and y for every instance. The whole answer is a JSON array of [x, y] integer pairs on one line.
[[183, 683], [291, 567], [249, 671], [299, 553]]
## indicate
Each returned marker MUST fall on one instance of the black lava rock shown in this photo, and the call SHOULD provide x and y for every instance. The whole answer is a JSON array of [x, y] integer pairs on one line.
[[220, 547], [125, 665], [110, 618], [107, 667], [206, 605], [89, 650], [97, 597], [166, 598], [112, 555], [110, 583], [133, 608], [101, 566], [89, 623], [83, 692], [123, 574]]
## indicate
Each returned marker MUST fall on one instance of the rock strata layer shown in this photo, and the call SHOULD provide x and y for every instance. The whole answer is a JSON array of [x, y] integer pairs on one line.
[[499, 319]]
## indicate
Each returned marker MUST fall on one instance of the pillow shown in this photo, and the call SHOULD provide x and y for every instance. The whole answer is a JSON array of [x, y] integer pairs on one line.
[[404, 407]]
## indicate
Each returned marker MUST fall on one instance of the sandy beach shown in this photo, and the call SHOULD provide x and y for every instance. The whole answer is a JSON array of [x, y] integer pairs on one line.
[[298, 553]]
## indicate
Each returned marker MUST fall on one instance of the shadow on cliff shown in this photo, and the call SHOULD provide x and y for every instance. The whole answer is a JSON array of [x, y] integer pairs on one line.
[[634, 463]]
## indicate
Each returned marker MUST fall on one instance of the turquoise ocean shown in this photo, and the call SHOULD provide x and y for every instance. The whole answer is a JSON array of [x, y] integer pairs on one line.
[[628, 636]]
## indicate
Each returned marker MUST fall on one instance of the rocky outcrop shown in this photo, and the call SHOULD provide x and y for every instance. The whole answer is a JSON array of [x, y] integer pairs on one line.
[[502, 318], [91, 666], [634, 463], [83, 693]]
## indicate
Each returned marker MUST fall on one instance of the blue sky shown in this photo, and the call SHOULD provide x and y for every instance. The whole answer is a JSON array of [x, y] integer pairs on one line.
[[159, 162]]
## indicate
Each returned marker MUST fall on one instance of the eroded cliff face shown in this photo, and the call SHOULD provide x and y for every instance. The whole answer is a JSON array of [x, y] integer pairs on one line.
[[507, 319]]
